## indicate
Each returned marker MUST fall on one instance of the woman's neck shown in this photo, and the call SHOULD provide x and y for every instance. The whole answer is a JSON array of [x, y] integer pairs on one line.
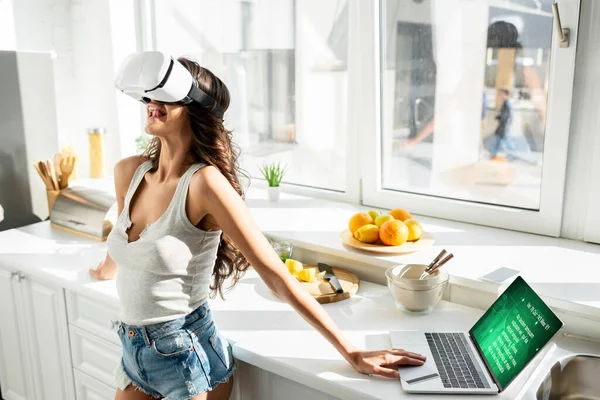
[[174, 158]]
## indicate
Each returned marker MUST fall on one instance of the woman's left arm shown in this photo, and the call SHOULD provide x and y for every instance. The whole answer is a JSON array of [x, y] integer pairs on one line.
[[221, 201]]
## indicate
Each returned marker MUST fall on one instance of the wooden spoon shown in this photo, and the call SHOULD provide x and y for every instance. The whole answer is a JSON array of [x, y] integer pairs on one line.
[[63, 181], [52, 174], [67, 165], [44, 174], [41, 173]]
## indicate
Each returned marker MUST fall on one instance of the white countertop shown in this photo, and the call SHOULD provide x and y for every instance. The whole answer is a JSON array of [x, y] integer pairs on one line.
[[566, 273], [265, 331]]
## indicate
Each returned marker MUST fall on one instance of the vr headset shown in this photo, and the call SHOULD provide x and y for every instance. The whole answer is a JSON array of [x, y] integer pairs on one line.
[[152, 75]]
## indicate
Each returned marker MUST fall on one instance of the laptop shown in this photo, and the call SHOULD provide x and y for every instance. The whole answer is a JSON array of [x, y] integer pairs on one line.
[[487, 358]]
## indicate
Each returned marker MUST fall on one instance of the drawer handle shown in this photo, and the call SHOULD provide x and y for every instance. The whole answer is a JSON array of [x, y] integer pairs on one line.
[[18, 276], [114, 324]]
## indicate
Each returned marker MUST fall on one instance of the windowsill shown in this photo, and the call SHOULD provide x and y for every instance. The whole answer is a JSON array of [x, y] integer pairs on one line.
[[560, 270]]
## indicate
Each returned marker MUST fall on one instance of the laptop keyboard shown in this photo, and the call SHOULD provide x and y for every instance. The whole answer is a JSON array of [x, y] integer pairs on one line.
[[454, 360]]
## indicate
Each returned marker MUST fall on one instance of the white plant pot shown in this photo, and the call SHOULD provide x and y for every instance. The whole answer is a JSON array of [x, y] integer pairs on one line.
[[273, 192]]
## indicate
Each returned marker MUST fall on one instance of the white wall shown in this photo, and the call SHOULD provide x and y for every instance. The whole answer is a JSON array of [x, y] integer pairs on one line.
[[94, 63], [89, 38], [8, 41], [44, 25]]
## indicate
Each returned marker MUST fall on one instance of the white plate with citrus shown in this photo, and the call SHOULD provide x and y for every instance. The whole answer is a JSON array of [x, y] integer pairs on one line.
[[396, 232]]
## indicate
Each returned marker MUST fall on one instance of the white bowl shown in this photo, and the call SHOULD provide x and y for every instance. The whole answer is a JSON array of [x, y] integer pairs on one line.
[[411, 294]]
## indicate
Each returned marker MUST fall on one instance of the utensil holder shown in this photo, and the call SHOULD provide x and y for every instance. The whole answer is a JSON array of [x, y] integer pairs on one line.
[[51, 195]]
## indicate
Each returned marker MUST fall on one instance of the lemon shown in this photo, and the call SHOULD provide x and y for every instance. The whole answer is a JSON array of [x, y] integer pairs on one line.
[[374, 214], [367, 233], [307, 274], [383, 219], [414, 230], [294, 266]]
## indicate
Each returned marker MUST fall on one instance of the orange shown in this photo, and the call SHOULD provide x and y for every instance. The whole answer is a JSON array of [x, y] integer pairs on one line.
[[358, 220], [393, 233], [414, 230], [400, 214]]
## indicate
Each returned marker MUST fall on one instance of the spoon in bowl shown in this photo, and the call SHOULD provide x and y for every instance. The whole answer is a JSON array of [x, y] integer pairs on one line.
[[435, 265]]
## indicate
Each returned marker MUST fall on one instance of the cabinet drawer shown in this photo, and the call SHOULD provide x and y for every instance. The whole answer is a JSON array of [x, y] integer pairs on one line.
[[92, 316], [88, 388], [94, 356]]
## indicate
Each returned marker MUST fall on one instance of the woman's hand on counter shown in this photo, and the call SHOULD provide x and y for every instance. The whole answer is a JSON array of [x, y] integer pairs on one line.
[[107, 269], [384, 362]]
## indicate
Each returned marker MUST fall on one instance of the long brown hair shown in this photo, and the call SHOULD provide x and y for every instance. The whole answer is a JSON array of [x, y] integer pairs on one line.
[[212, 145]]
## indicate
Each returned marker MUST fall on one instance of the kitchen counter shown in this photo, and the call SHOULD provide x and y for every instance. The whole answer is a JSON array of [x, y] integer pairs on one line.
[[265, 332], [558, 269]]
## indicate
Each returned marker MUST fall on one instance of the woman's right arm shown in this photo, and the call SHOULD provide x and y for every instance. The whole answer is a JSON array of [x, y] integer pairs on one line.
[[123, 172]]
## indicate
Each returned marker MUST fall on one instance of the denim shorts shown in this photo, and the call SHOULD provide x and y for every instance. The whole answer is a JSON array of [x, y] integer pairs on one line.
[[177, 359]]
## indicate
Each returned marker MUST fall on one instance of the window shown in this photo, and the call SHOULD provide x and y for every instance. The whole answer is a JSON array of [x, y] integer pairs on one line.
[[458, 109], [469, 127], [285, 64]]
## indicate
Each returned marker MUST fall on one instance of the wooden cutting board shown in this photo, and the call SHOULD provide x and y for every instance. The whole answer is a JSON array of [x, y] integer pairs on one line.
[[323, 292]]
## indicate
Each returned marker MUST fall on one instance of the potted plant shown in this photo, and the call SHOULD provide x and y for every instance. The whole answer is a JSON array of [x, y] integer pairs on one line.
[[273, 174]]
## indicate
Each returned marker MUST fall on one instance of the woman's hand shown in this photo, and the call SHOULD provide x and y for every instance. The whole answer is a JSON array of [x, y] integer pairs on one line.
[[107, 269], [384, 362]]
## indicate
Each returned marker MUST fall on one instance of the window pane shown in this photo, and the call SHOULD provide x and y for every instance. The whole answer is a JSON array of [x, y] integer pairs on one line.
[[464, 88], [285, 64]]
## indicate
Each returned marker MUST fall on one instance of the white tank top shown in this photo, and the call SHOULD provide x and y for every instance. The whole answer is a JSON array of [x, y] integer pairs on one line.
[[166, 273]]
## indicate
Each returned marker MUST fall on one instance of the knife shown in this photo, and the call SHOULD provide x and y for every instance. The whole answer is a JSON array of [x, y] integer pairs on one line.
[[330, 277]]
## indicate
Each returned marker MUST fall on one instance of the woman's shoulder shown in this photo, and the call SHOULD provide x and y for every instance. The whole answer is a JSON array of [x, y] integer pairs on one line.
[[124, 171], [210, 182], [126, 167], [205, 177]]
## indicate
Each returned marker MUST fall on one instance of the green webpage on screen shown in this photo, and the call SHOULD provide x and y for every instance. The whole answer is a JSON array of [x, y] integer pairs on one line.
[[514, 330]]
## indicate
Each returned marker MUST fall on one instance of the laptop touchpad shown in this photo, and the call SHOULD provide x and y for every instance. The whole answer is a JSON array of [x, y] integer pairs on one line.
[[413, 375]]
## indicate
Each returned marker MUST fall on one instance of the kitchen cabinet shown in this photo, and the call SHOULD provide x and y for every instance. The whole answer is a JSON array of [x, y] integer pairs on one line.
[[56, 349], [95, 345], [94, 356], [88, 388], [255, 383], [12, 358], [34, 340]]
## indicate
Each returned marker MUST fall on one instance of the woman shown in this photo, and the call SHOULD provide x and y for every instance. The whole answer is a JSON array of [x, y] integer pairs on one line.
[[182, 222]]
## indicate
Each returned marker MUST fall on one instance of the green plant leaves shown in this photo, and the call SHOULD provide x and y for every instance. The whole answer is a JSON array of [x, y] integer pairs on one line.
[[273, 173]]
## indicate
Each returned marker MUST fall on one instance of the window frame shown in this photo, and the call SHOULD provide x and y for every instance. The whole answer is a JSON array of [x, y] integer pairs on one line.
[[548, 219]]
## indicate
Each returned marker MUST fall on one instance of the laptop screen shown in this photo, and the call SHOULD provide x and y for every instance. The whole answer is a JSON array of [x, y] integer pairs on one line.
[[513, 330]]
